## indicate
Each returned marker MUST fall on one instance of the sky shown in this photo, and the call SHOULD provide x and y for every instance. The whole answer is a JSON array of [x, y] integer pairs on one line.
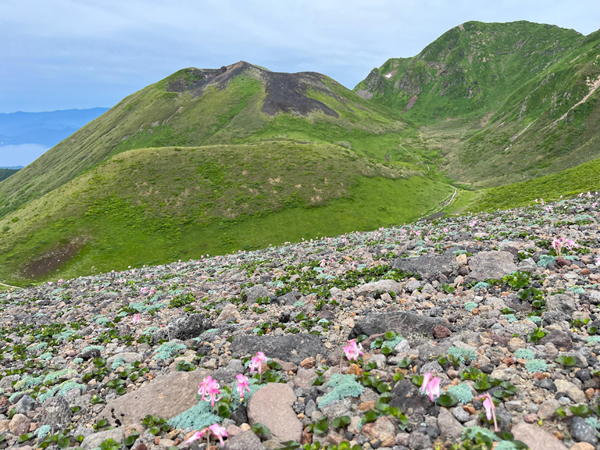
[[68, 54]]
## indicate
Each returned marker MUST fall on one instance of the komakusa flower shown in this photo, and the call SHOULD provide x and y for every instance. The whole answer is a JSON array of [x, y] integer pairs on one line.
[[196, 436], [136, 319], [490, 409], [210, 388], [256, 362], [431, 386], [241, 385], [352, 350], [218, 431]]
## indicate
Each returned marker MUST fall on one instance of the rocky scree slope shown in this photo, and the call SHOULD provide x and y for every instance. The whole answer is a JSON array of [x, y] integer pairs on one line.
[[483, 301]]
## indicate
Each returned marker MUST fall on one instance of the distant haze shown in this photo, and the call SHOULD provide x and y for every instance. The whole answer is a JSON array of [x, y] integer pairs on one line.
[[79, 54], [24, 137]]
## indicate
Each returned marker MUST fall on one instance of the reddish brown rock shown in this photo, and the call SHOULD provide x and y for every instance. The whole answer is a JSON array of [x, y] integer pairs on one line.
[[382, 429], [308, 363], [441, 332], [562, 262]]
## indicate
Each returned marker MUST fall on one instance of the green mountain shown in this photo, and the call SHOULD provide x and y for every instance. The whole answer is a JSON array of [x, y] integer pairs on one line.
[[211, 161], [504, 102], [240, 103]]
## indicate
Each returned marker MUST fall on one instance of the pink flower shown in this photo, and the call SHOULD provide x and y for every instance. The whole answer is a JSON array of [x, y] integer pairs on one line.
[[196, 436], [549, 209], [242, 384], [210, 388], [445, 230], [431, 386], [135, 319], [472, 224], [490, 408], [218, 431], [323, 263], [256, 363], [598, 262], [352, 350]]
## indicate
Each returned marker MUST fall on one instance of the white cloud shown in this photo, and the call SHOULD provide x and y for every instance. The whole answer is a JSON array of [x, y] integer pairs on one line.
[[76, 53]]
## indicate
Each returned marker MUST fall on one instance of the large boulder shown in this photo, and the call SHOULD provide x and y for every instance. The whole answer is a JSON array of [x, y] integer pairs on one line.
[[291, 348], [491, 265], [272, 406], [428, 266], [536, 438], [165, 397], [408, 324]]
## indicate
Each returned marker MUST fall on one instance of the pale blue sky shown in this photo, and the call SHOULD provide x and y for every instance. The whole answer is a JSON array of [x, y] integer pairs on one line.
[[64, 54]]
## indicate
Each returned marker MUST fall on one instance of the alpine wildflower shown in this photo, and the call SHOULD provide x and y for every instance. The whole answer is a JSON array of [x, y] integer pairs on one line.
[[431, 386], [490, 409], [241, 385], [218, 431], [210, 388], [136, 319]]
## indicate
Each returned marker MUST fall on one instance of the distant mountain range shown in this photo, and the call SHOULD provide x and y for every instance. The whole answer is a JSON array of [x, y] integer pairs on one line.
[[44, 128]]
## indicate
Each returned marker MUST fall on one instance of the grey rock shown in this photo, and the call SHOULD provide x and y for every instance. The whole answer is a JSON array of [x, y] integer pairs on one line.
[[428, 266], [450, 427], [291, 348], [419, 441], [337, 409], [244, 441], [432, 366], [381, 285], [407, 396], [271, 405], [559, 307], [494, 264], [256, 292], [527, 265], [226, 375], [583, 431], [409, 324], [460, 414], [6, 382], [559, 338], [412, 285], [94, 440], [90, 353], [56, 413], [536, 437], [187, 326], [230, 312], [310, 408], [26, 404], [127, 357]]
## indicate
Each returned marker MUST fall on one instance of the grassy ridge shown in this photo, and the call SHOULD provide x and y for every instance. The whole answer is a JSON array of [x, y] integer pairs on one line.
[[150, 206], [5, 173], [572, 181], [221, 114]]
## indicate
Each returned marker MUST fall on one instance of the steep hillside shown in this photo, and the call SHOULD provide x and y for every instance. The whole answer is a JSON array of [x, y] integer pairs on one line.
[[504, 102], [150, 206], [5, 173], [239, 103]]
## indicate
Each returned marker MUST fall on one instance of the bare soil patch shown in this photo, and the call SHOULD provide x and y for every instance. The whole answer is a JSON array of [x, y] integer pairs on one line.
[[52, 260]]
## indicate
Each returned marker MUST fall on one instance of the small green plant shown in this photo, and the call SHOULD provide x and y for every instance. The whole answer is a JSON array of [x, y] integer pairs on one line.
[[567, 361]]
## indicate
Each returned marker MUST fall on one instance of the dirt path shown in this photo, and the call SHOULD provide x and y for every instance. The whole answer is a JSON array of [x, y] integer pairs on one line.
[[593, 85], [446, 202], [8, 285], [415, 156]]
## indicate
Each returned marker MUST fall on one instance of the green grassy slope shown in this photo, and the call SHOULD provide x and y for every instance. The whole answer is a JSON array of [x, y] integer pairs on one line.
[[503, 89], [155, 205], [5, 173], [195, 107], [583, 178]]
